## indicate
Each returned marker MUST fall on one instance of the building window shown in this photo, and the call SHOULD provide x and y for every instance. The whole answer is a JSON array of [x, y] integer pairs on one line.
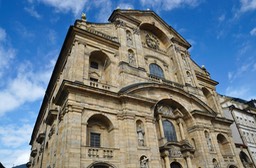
[[169, 131], [95, 140], [94, 79], [156, 70], [94, 65]]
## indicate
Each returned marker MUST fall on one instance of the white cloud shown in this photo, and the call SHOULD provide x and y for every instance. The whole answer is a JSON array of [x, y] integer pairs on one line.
[[75, 6], [169, 4], [52, 35], [125, 6], [23, 31], [32, 12], [7, 53], [2, 34], [243, 92], [247, 5], [13, 136], [254, 67], [243, 69], [253, 32], [222, 18], [10, 158], [27, 86], [14, 148], [104, 9]]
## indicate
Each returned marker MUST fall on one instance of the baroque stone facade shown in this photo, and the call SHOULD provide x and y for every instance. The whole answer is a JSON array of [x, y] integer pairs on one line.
[[126, 94]]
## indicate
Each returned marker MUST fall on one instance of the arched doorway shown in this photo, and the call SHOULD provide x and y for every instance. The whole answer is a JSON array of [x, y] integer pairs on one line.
[[175, 165], [100, 165]]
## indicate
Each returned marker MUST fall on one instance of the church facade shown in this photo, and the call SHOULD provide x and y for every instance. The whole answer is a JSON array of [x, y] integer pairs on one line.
[[127, 94]]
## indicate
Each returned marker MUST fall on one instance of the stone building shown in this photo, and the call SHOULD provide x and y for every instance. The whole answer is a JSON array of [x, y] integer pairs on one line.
[[243, 113], [126, 94]]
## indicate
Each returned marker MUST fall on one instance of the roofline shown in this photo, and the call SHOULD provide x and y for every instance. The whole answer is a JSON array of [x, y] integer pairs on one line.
[[115, 12], [49, 90]]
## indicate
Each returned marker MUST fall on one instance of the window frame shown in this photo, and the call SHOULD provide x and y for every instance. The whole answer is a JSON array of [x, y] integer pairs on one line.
[[95, 139], [169, 131], [156, 70]]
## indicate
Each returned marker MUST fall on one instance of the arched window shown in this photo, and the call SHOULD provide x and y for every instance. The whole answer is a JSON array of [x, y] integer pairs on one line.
[[156, 70], [175, 165], [245, 159], [169, 131], [215, 163], [209, 97], [99, 69], [224, 145], [100, 131]]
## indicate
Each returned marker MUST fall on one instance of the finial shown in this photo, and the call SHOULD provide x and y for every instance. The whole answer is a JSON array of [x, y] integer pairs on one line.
[[148, 9], [117, 7], [83, 17]]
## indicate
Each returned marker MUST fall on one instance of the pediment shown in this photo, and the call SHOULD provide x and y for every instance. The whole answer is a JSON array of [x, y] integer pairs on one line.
[[151, 22], [157, 92]]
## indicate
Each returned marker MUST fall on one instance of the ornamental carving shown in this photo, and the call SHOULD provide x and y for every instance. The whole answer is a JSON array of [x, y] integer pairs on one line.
[[175, 152], [152, 41], [165, 110]]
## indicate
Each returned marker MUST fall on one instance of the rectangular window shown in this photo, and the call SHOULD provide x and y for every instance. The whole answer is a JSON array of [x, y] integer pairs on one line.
[[95, 140]]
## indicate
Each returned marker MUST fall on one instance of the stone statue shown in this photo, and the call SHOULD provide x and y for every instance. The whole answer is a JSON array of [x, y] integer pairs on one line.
[[144, 162], [83, 17], [131, 58], [129, 38], [141, 134]]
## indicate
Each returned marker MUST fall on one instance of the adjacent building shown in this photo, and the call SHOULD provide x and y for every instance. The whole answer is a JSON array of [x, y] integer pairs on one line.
[[127, 94], [243, 114]]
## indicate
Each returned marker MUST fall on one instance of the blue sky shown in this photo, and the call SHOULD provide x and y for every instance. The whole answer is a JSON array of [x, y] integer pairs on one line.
[[222, 35]]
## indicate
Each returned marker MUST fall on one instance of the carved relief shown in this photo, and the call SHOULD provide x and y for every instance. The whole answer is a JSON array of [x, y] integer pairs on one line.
[[143, 162], [175, 152], [129, 40], [131, 58], [141, 133], [120, 24], [136, 30], [165, 110], [152, 41]]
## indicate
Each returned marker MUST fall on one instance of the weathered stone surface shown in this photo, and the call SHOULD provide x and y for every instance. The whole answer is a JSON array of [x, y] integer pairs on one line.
[[101, 97]]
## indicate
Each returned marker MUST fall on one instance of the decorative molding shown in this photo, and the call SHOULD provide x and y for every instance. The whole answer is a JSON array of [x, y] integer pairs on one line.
[[120, 24], [136, 30], [152, 41]]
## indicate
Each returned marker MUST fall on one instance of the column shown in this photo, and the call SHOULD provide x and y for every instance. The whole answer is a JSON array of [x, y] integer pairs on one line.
[[188, 160], [181, 129], [166, 159], [161, 126]]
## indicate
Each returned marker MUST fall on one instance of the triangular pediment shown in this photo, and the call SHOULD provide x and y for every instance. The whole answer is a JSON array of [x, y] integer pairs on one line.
[[149, 20]]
